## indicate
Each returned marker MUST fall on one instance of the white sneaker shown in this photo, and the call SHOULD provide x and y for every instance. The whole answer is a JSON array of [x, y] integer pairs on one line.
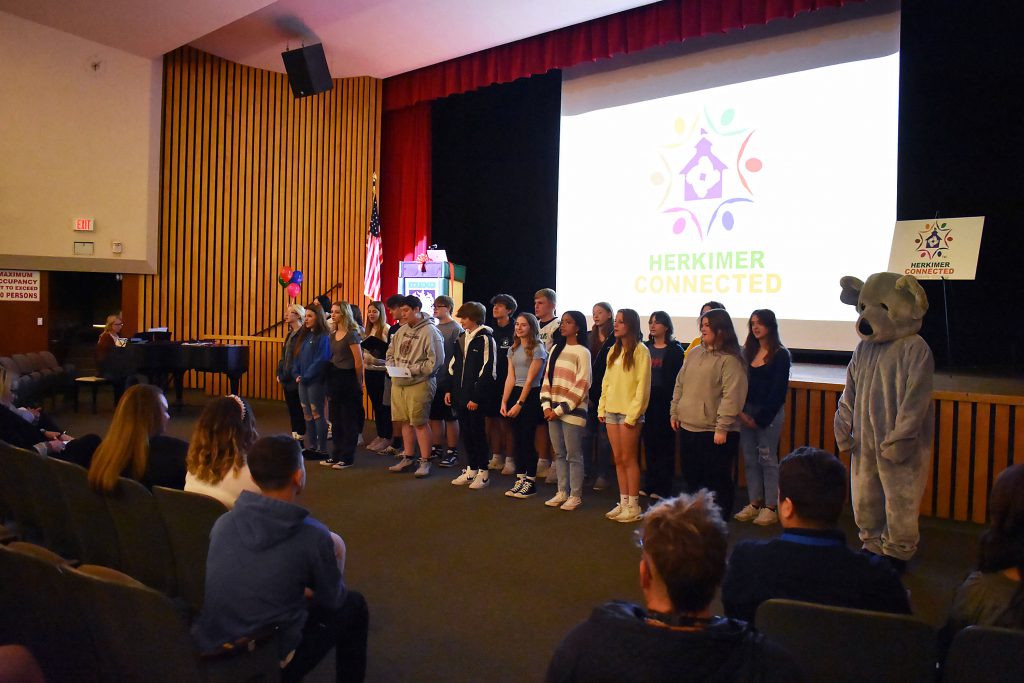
[[631, 513], [552, 477], [480, 481], [378, 444], [557, 499], [614, 512], [297, 436], [542, 468], [466, 477], [496, 463], [510, 467], [404, 464], [766, 517], [747, 514], [423, 470], [572, 502]]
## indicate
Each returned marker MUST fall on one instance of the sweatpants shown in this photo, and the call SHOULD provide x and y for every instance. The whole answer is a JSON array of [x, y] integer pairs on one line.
[[711, 466], [473, 427]]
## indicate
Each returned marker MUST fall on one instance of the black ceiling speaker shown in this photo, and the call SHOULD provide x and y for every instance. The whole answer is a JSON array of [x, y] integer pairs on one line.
[[307, 70]]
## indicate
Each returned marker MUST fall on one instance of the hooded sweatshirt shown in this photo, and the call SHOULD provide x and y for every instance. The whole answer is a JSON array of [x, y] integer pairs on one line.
[[419, 347], [263, 554]]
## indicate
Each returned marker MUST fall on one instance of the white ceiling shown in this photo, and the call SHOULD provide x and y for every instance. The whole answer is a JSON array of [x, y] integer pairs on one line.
[[378, 38]]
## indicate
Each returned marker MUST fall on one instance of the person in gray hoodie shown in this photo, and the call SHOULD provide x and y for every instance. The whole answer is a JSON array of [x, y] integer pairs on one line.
[[265, 555], [417, 347]]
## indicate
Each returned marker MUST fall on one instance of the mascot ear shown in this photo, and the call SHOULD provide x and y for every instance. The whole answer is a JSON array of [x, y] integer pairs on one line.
[[851, 290], [910, 283]]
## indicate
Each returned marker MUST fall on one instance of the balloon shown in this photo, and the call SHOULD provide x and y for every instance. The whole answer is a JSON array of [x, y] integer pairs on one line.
[[283, 283], [294, 290], [286, 273], [297, 277]]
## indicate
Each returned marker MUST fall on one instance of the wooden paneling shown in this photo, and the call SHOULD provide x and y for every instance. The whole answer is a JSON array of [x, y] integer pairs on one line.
[[253, 179], [976, 437]]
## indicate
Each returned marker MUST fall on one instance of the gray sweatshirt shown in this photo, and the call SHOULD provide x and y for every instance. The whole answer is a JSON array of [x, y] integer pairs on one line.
[[418, 347], [710, 391]]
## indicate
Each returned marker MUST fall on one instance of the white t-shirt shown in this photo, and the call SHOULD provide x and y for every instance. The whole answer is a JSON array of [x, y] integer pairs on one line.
[[547, 332], [227, 489]]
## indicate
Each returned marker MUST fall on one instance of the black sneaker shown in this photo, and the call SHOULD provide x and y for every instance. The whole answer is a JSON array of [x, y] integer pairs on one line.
[[450, 458], [436, 452], [342, 464], [529, 488], [328, 462]]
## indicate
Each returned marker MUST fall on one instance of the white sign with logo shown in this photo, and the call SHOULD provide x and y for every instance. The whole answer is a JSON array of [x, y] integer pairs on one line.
[[19, 285], [937, 248]]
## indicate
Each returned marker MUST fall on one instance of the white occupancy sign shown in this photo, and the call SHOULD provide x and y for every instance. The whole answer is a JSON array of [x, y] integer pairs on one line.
[[19, 285], [937, 248]]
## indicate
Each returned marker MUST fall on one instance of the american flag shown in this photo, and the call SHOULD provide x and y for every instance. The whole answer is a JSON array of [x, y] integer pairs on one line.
[[374, 256]]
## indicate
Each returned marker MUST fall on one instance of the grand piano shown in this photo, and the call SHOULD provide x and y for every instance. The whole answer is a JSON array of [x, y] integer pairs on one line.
[[159, 359]]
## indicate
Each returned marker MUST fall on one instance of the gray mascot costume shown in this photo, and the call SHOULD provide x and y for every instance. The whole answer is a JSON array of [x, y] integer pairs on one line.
[[885, 416]]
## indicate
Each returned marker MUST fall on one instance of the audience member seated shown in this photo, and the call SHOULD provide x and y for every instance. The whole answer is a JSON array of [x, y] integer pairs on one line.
[[217, 467], [136, 447], [18, 428], [676, 638], [994, 595], [267, 555], [810, 561]]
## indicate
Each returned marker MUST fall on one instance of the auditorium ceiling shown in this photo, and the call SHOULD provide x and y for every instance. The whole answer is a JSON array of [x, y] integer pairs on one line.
[[377, 38]]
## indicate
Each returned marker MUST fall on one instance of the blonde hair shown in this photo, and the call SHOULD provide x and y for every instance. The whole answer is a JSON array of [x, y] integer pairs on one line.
[[224, 432], [111, 319], [348, 323], [138, 418], [298, 310], [6, 384]]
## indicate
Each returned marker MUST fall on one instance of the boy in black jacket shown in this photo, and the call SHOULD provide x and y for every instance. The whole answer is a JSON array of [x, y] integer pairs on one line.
[[467, 384]]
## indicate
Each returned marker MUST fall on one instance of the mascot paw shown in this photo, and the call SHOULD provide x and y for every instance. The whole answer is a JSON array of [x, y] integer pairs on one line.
[[899, 451]]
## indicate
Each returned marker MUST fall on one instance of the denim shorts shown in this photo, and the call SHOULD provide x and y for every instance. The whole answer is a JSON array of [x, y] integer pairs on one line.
[[618, 419]]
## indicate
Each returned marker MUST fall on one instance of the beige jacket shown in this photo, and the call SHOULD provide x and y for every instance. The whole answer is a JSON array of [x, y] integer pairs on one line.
[[710, 391]]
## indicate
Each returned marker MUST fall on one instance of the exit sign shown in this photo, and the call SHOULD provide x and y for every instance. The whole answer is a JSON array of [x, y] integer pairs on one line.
[[85, 225]]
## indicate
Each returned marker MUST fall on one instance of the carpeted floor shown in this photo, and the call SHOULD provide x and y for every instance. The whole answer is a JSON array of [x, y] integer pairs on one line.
[[473, 586]]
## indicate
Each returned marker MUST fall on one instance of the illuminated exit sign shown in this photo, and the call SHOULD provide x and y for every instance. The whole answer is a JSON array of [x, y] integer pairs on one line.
[[85, 225]]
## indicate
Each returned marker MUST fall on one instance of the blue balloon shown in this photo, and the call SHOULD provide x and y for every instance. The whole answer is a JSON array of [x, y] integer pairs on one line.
[[297, 277]]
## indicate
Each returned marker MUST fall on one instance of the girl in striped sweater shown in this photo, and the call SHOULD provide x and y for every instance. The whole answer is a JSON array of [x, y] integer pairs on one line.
[[563, 397]]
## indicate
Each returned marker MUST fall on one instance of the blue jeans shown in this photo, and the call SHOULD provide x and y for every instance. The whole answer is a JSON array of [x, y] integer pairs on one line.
[[761, 458], [567, 440], [311, 396]]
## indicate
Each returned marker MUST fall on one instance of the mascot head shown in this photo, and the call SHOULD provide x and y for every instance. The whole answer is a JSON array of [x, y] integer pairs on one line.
[[889, 305]]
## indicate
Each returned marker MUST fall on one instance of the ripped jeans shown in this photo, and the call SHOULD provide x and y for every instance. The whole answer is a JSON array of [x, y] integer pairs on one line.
[[760, 449]]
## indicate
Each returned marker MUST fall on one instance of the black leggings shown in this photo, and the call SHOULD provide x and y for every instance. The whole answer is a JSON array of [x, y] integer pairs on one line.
[[524, 428], [711, 466], [346, 411], [291, 400], [474, 436], [659, 447], [381, 412]]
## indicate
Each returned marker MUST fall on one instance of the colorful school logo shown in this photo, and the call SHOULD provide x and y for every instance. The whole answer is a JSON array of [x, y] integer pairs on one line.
[[708, 171], [934, 241]]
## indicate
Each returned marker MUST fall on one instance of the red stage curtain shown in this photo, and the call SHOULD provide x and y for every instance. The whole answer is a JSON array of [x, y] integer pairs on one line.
[[404, 189], [637, 29]]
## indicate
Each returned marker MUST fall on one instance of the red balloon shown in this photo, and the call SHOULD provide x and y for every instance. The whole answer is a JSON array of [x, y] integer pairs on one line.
[[294, 289], [286, 273]]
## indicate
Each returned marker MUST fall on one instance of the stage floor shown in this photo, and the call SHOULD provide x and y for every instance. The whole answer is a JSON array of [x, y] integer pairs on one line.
[[965, 382]]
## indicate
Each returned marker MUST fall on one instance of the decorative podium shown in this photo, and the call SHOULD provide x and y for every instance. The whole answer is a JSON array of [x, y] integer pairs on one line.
[[430, 279]]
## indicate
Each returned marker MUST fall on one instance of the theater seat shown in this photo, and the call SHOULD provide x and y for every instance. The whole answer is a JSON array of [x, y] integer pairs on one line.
[[90, 519], [841, 645], [985, 653]]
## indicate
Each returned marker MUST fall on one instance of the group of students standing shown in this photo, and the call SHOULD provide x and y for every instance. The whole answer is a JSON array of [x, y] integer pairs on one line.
[[543, 396]]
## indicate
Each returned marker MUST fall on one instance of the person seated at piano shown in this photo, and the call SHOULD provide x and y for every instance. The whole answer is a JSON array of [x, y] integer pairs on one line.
[[216, 461], [135, 445], [110, 364]]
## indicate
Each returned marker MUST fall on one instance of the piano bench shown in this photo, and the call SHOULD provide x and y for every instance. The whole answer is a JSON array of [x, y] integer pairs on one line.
[[93, 383]]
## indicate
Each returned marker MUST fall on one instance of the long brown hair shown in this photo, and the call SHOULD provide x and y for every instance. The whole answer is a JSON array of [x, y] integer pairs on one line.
[[1002, 545], [319, 327], [627, 344], [380, 328], [751, 346], [138, 417], [725, 334], [594, 341], [533, 339], [224, 432]]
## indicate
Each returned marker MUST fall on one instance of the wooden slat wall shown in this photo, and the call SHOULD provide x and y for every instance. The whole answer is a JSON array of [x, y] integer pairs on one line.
[[977, 436], [253, 179]]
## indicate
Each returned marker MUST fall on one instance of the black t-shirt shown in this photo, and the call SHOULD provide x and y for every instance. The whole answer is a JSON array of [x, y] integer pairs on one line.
[[503, 339]]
